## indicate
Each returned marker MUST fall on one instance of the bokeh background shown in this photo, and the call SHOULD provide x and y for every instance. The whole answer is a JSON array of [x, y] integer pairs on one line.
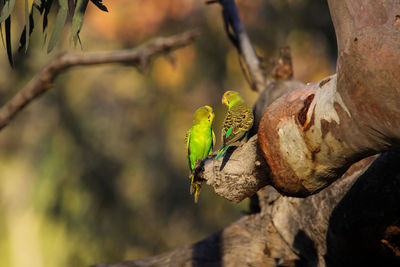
[[95, 170]]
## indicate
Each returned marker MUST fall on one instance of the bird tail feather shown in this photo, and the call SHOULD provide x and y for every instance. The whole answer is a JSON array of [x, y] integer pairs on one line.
[[221, 152], [195, 188]]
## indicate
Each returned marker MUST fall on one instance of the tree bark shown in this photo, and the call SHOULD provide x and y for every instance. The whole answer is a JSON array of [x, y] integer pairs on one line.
[[312, 135]]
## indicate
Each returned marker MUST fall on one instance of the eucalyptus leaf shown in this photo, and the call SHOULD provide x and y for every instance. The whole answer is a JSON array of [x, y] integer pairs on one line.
[[7, 29], [34, 16], [59, 24], [100, 5], [2, 36], [7, 9], [47, 7], [77, 19], [1, 28], [27, 25]]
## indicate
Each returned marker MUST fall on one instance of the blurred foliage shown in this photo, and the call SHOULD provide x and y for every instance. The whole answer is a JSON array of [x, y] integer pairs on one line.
[[95, 170], [36, 10]]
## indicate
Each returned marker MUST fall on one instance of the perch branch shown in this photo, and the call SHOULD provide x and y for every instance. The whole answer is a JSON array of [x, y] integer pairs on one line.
[[258, 79], [43, 80], [238, 175]]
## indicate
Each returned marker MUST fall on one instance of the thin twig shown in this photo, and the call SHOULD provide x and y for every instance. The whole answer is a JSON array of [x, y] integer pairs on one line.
[[43, 80], [242, 42]]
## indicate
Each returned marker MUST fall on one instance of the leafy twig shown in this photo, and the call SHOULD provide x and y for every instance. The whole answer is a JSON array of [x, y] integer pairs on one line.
[[44, 79]]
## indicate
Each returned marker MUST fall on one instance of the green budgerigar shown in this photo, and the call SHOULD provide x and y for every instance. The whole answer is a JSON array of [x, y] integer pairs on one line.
[[238, 121], [200, 140]]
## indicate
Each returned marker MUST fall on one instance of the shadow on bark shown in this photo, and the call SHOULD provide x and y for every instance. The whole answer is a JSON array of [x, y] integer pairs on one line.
[[208, 252], [356, 235], [307, 249]]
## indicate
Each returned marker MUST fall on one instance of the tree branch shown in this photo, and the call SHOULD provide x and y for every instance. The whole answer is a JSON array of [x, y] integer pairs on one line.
[[326, 229], [258, 79], [43, 81], [237, 175]]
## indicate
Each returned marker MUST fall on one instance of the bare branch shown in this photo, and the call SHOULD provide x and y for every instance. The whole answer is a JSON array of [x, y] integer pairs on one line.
[[283, 68], [43, 81], [245, 48], [238, 175]]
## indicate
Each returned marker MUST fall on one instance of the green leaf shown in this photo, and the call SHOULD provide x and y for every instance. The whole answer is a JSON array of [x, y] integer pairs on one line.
[[77, 20], [34, 16], [47, 7], [7, 9], [1, 28], [59, 24], [100, 5], [2, 36], [8, 40], [27, 25]]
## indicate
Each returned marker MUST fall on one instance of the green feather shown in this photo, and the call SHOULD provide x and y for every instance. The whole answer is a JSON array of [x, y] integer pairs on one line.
[[199, 142], [238, 121]]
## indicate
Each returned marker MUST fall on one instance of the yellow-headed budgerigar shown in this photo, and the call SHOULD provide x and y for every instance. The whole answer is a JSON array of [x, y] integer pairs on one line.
[[238, 120], [200, 140]]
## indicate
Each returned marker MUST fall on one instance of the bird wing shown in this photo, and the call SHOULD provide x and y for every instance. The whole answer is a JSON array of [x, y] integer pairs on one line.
[[212, 143], [187, 143], [240, 121], [227, 126]]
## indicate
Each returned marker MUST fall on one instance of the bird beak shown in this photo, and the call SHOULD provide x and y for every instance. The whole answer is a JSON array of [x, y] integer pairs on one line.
[[225, 101]]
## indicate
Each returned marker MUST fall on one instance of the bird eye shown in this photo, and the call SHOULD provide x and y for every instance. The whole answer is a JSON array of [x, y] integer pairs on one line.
[[228, 94]]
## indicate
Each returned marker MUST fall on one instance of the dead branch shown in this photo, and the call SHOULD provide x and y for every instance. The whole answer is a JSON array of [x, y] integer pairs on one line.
[[258, 79], [43, 80]]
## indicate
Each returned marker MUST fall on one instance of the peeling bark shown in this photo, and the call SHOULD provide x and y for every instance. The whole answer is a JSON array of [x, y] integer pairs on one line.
[[312, 135]]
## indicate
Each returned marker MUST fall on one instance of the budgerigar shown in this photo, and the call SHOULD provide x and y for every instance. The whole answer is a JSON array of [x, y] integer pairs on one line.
[[200, 140], [238, 120]]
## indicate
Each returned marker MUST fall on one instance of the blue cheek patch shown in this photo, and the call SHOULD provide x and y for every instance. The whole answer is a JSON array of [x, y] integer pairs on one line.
[[228, 101]]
